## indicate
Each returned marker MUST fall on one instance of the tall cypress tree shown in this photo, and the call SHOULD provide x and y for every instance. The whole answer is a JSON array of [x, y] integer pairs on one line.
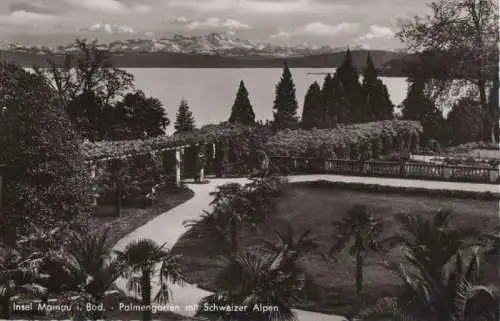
[[312, 113], [184, 121], [329, 108], [342, 104], [349, 77], [376, 102], [242, 110], [418, 106], [285, 104]]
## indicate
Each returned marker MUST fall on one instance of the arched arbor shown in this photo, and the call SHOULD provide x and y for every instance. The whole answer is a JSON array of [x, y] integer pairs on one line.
[[187, 155]]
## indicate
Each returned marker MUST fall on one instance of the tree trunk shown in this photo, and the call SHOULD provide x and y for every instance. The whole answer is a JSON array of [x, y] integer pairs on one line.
[[359, 271], [6, 308], [146, 295]]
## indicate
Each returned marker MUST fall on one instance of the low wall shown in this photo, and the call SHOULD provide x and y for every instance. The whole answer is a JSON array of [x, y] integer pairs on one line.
[[388, 169]]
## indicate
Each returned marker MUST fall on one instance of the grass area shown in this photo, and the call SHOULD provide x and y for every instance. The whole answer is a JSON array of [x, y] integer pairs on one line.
[[308, 207], [131, 219]]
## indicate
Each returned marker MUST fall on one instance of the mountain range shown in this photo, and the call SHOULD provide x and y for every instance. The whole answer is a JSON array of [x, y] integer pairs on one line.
[[211, 50]]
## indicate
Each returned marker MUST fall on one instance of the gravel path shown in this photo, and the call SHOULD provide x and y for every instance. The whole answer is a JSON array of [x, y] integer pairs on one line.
[[168, 228]]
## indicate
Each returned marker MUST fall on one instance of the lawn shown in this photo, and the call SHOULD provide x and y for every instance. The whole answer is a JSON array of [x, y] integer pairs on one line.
[[306, 207]]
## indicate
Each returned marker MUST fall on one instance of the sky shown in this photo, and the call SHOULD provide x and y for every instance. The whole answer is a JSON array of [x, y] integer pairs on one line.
[[337, 23]]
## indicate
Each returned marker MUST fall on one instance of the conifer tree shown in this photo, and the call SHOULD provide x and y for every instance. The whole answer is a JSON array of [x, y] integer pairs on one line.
[[184, 121], [312, 113], [349, 77], [329, 108], [285, 103], [376, 102], [242, 110], [342, 103], [418, 106]]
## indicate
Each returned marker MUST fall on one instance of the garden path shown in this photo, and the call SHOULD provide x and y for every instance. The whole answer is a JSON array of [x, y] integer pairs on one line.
[[168, 228]]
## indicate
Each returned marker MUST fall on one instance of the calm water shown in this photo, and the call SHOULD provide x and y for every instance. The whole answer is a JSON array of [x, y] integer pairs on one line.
[[210, 93]]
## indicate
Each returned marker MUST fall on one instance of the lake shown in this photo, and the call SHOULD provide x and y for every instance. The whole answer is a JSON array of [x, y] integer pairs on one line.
[[210, 93]]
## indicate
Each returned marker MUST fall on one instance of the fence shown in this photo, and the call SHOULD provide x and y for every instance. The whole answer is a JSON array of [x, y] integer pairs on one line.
[[386, 169]]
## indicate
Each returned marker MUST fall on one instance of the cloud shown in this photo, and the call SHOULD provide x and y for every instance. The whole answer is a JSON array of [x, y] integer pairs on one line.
[[322, 29], [282, 35], [209, 23], [109, 6], [109, 29], [24, 17], [235, 24], [212, 22], [377, 32], [30, 8]]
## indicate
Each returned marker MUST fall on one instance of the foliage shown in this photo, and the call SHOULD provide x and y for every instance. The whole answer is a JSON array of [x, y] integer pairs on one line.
[[457, 47], [88, 267], [242, 110], [374, 188], [138, 117], [363, 229], [132, 178], [141, 259], [348, 77], [88, 69], [47, 180], [285, 103], [333, 102], [433, 242], [452, 295], [376, 102], [184, 121], [236, 207], [418, 106], [226, 134], [251, 279], [312, 113], [345, 141], [464, 122]]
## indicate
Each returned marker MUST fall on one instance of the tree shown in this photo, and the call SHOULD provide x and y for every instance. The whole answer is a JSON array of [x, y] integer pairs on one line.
[[85, 111], [341, 108], [453, 295], [418, 106], [242, 110], [464, 122], [48, 182], [88, 69], [377, 104], [184, 121], [349, 77], [329, 107], [88, 266], [252, 279], [458, 46], [142, 117], [364, 231], [285, 103], [141, 259], [433, 242], [312, 114]]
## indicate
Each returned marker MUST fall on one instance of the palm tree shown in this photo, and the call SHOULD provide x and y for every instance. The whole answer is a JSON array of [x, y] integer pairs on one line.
[[88, 266], [294, 247], [363, 229], [455, 296], [433, 241], [253, 279], [210, 226], [141, 258]]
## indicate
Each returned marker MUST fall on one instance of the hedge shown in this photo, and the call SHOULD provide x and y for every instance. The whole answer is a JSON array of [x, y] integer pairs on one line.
[[375, 188], [358, 141]]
